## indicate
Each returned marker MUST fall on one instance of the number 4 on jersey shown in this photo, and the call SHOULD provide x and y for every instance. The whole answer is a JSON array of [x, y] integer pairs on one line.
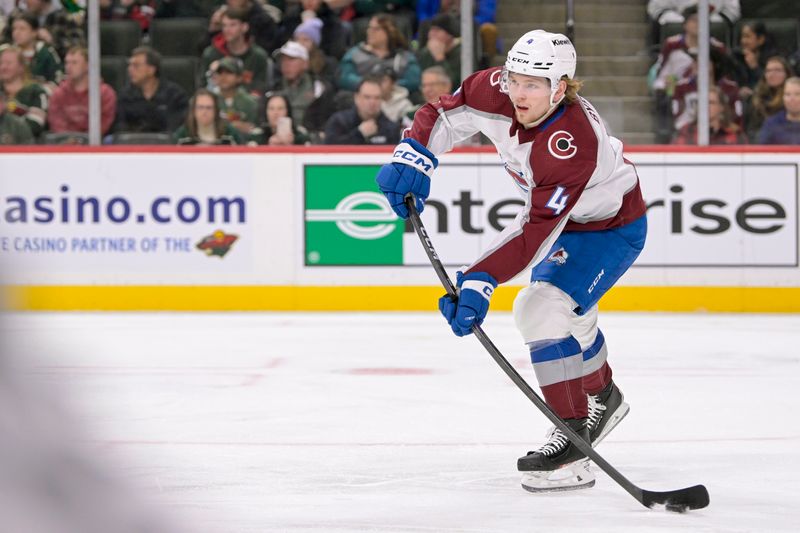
[[558, 201]]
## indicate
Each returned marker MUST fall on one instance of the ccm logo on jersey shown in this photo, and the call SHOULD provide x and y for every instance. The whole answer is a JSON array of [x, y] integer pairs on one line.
[[560, 145]]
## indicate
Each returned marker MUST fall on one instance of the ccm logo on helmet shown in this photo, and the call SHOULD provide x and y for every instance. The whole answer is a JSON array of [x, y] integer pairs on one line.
[[560, 145], [518, 60]]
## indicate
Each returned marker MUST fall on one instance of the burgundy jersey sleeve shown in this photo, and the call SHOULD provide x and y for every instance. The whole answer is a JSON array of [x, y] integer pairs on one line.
[[439, 126], [563, 160]]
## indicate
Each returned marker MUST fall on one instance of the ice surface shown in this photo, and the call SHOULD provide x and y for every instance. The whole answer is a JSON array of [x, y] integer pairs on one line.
[[387, 422]]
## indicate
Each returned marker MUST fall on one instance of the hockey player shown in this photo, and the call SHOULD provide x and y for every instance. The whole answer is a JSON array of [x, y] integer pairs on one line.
[[583, 224]]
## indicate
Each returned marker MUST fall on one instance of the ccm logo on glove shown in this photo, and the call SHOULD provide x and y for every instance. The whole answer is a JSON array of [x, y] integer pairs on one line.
[[414, 158]]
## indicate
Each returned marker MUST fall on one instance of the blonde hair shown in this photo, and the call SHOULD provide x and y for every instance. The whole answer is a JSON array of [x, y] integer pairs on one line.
[[573, 87]]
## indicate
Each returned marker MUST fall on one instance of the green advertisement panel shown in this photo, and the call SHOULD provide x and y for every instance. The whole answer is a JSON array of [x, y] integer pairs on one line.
[[347, 220]]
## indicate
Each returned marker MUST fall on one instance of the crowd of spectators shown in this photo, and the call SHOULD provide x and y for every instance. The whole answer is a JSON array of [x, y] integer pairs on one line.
[[343, 71], [752, 93], [269, 71]]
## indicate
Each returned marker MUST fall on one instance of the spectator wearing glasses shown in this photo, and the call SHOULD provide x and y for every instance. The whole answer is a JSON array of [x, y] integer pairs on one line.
[[204, 125], [384, 46]]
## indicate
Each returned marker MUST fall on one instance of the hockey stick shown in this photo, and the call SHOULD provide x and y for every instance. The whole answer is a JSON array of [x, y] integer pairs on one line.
[[679, 501]]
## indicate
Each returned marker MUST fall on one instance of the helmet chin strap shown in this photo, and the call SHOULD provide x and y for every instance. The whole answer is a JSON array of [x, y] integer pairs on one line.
[[541, 119]]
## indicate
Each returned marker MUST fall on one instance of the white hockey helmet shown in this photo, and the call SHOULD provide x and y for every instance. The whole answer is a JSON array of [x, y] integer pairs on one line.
[[543, 54]]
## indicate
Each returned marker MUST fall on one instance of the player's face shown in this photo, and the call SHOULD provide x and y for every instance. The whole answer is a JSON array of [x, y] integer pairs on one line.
[[530, 96], [791, 98]]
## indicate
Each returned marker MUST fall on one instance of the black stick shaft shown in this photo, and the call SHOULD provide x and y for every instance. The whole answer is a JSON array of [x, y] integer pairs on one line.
[[647, 498]]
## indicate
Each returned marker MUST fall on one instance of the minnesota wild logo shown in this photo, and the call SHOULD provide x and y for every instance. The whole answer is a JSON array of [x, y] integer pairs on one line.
[[218, 243]]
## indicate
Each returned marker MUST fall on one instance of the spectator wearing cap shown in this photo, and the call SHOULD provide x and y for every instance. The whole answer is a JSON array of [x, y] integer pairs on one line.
[[233, 41], [309, 34], [69, 104], [311, 98], [364, 123], [42, 59], [334, 36], [149, 103], [396, 104], [236, 105], [24, 98], [442, 47], [385, 46], [13, 129]]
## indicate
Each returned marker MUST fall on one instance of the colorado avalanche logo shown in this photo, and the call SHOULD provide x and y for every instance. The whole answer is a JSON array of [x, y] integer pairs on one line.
[[558, 257], [518, 178], [560, 145]]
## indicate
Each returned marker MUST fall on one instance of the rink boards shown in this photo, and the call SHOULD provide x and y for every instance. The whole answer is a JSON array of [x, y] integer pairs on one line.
[[260, 229]]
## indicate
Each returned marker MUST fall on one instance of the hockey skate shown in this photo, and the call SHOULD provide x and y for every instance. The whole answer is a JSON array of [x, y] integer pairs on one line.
[[558, 465], [606, 409]]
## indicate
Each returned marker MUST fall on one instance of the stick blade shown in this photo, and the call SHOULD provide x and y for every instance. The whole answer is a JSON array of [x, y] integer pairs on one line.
[[677, 501]]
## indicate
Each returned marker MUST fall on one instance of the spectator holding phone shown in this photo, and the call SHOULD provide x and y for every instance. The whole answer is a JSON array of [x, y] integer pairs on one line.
[[278, 128]]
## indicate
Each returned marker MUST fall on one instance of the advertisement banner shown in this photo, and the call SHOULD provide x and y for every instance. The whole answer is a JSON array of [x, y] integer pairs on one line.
[[699, 215], [123, 217]]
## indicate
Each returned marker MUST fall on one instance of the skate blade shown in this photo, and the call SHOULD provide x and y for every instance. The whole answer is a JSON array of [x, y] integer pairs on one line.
[[571, 477], [616, 418]]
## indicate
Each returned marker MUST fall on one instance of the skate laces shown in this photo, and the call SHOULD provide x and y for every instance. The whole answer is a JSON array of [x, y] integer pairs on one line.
[[556, 443], [596, 411]]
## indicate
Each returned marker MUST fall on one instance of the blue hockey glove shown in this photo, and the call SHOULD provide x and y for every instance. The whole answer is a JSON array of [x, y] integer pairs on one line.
[[409, 172], [472, 304]]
